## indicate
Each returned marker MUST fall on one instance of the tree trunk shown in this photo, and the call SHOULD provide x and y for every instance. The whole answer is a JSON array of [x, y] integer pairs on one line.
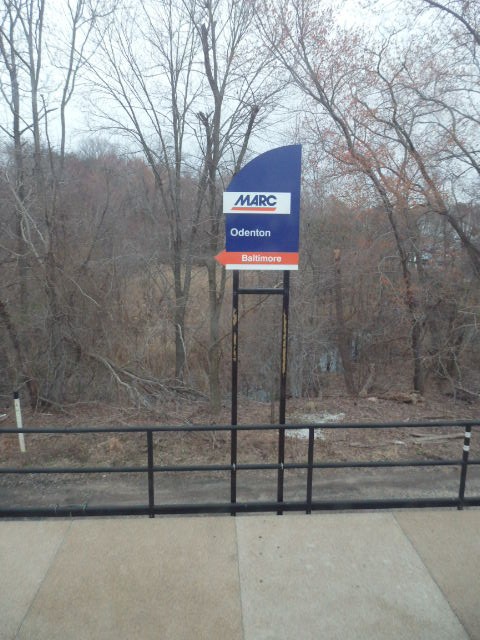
[[180, 355], [57, 359], [343, 333], [418, 368], [214, 351], [31, 384]]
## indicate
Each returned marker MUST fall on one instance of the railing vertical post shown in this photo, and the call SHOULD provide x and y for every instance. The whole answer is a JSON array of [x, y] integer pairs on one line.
[[463, 473], [151, 484], [283, 388], [234, 410], [311, 442]]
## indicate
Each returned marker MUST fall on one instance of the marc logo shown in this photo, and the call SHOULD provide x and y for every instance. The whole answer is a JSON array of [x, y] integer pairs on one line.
[[256, 203], [256, 200]]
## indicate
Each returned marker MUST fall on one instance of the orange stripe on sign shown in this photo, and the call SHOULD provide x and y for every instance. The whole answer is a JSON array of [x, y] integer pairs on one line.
[[260, 257], [253, 209]]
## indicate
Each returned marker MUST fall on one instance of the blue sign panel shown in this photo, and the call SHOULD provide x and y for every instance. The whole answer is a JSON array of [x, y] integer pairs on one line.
[[262, 207]]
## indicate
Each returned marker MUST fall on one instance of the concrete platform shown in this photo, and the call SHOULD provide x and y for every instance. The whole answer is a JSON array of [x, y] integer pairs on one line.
[[346, 576]]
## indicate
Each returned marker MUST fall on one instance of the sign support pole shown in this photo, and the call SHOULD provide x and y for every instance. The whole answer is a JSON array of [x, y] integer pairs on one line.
[[283, 386], [234, 409], [285, 292]]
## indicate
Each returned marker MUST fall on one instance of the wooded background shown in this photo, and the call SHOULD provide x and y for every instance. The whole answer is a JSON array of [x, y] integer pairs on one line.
[[122, 124]]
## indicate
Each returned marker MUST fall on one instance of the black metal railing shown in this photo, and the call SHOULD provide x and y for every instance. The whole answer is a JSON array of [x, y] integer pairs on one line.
[[308, 504]]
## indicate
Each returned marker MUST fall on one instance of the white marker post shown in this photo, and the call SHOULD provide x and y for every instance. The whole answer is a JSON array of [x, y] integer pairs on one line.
[[18, 415]]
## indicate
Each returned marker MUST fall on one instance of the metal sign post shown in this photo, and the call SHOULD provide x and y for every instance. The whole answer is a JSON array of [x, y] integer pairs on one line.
[[262, 207], [234, 412], [283, 386]]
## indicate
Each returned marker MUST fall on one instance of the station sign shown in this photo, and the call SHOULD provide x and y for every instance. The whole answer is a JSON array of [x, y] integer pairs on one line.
[[262, 208]]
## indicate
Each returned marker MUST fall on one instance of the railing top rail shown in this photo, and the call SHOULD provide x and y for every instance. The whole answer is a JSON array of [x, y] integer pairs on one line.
[[243, 427], [238, 467]]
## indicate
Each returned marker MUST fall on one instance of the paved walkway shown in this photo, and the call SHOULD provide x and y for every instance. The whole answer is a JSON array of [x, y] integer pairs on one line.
[[407, 575]]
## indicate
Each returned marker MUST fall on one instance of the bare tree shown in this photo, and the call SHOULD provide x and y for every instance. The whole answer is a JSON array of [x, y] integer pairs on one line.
[[239, 94], [329, 66], [186, 87], [148, 84], [32, 96], [372, 120]]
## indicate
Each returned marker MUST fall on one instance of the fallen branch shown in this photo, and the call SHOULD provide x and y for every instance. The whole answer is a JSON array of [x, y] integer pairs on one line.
[[408, 398], [139, 386], [420, 437]]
